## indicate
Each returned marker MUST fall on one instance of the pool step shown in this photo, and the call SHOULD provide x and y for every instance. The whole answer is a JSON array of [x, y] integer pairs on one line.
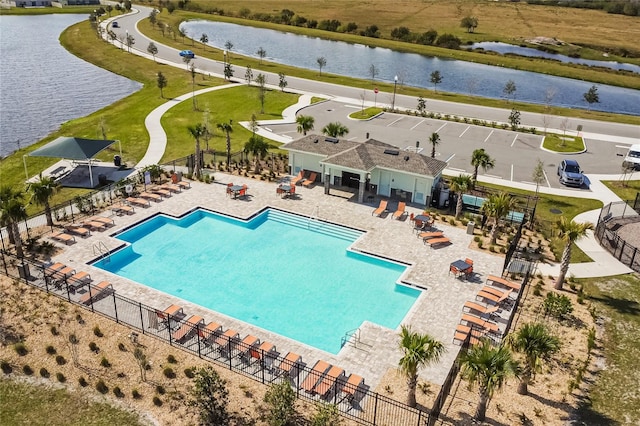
[[315, 225]]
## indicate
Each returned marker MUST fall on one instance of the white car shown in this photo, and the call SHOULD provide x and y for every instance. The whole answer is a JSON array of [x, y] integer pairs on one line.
[[632, 159]]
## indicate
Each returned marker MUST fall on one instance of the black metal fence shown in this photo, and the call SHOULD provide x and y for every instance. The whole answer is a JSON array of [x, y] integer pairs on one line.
[[613, 217], [354, 400]]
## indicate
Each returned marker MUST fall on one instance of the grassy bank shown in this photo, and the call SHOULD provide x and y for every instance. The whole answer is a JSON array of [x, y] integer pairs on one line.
[[625, 190]]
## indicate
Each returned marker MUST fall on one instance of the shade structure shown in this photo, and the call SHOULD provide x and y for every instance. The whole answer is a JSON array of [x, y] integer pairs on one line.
[[71, 148]]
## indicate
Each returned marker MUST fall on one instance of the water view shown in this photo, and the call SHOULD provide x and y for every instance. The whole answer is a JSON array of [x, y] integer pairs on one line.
[[355, 60], [42, 85]]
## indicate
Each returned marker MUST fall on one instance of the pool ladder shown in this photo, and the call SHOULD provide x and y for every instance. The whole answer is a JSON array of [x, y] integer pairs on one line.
[[352, 337], [101, 251], [314, 215]]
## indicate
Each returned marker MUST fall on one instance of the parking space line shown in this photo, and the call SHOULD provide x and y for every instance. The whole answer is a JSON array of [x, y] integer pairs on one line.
[[448, 159], [487, 138], [457, 170], [394, 122], [421, 121], [546, 178], [514, 141], [494, 176], [441, 127], [465, 131], [511, 172]]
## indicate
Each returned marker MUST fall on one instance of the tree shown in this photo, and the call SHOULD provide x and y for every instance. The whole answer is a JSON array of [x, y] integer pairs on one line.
[[186, 60], [537, 344], [322, 61], [305, 123], [142, 361], [280, 400], [153, 49], [182, 34], [591, 96], [537, 176], [326, 415], [569, 232], [422, 105], [257, 147], [109, 9], [228, 46], [127, 5], [153, 16], [227, 129], [434, 140], [248, 75], [514, 119], [162, 27], [510, 89], [261, 53], [228, 71], [162, 83], [419, 350], [335, 130], [12, 211], [261, 79], [130, 41], [373, 72], [496, 207], [210, 396], [460, 185], [436, 78], [489, 367], [470, 23], [204, 39], [480, 158], [41, 192], [197, 132], [193, 86], [282, 81]]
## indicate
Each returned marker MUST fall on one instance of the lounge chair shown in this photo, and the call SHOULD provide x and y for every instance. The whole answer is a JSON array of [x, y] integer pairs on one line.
[[428, 235], [183, 184], [400, 212], [311, 180], [78, 280], [288, 363], [52, 269], [481, 309], [171, 187], [492, 294], [227, 341], [138, 202], [123, 209], [328, 382], [351, 385], [437, 241], [314, 376], [104, 220], [78, 230], [246, 345], [212, 330], [381, 208], [265, 353], [93, 225], [161, 192], [462, 331], [63, 237], [151, 197], [190, 325], [63, 273], [172, 312], [489, 326], [295, 180], [94, 292], [501, 281]]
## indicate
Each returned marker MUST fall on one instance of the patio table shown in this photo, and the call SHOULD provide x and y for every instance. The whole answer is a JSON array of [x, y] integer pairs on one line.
[[236, 190], [462, 266]]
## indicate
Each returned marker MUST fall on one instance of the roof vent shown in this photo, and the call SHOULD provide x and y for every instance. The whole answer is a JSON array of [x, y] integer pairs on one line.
[[392, 152], [406, 158], [316, 140], [332, 140]]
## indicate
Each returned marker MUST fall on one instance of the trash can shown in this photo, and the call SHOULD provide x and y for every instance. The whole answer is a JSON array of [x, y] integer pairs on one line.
[[470, 226], [117, 160]]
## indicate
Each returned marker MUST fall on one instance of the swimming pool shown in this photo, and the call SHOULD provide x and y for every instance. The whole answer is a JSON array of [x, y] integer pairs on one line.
[[279, 271]]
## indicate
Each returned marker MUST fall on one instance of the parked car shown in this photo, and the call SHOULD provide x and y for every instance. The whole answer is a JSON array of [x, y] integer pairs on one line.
[[632, 158], [115, 24], [570, 173], [187, 54]]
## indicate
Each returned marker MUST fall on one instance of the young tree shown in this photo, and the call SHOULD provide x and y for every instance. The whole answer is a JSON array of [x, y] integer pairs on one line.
[[489, 367], [419, 350], [261, 53], [422, 105], [470, 23], [248, 75], [322, 61], [434, 140], [537, 344], [152, 49], [569, 232], [460, 185], [142, 361], [12, 211], [130, 41], [510, 89], [197, 132], [193, 86], [41, 192], [261, 80], [305, 123], [326, 415], [186, 60], [591, 96], [204, 39], [514, 119], [228, 71], [537, 176], [210, 396], [281, 403], [257, 147], [480, 158], [436, 78], [162, 83], [153, 16], [182, 34], [227, 128], [282, 81], [335, 129], [228, 46], [496, 207]]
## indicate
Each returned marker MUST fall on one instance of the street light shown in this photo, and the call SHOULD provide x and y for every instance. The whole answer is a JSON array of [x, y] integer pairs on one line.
[[395, 85]]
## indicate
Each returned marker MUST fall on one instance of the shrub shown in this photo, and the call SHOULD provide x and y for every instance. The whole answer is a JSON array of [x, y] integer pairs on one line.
[[503, 250], [105, 362], [82, 382], [160, 390], [102, 387], [171, 359], [44, 373], [280, 400], [476, 238], [169, 373], [61, 377], [79, 319], [492, 248], [189, 373], [157, 401], [60, 360], [27, 370], [118, 392], [97, 332], [73, 339], [591, 340], [452, 221], [21, 349], [210, 396], [326, 415], [93, 347], [479, 244], [556, 305], [54, 330], [135, 394], [50, 350], [6, 367], [122, 347]]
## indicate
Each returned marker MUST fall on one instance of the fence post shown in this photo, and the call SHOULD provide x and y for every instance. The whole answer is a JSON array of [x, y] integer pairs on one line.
[[375, 409], [229, 353], [66, 284], [262, 364], [115, 307], [141, 317], [198, 337], [624, 243]]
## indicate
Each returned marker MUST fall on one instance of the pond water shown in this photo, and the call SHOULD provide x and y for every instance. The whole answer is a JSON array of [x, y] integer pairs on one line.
[[505, 48], [355, 60]]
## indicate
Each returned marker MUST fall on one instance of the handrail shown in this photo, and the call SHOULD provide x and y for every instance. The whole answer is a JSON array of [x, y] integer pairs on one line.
[[102, 254], [355, 334]]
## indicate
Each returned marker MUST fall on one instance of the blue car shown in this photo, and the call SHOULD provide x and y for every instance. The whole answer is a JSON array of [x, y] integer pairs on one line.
[[187, 54], [115, 24]]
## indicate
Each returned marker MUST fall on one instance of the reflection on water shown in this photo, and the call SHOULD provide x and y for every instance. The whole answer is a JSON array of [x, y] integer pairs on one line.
[[355, 60]]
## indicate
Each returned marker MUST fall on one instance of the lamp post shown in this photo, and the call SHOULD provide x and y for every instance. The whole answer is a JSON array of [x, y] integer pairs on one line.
[[395, 85]]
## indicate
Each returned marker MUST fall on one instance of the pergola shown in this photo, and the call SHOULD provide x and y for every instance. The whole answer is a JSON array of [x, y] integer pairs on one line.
[[76, 149]]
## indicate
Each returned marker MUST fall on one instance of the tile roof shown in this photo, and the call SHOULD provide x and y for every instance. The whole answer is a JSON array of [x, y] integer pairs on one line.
[[320, 145]]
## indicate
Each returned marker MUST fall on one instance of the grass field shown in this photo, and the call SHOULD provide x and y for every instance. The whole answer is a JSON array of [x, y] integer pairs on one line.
[[559, 143], [625, 190]]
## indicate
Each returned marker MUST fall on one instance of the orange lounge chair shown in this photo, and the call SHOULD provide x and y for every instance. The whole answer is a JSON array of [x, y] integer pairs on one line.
[[312, 178], [489, 326], [171, 187], [183, 184], [138, 202], [328, 382], [481, 309], [227, 340], [295, 180], [93, 225], [462, 331], [123, 209], [212, 329], [492, 294], [437, 241], [433, 234], [314, 376], [246, 345], [501, 281], [187, 327], [350, 387], [94, 292], [169, 313], [63, 237], [265, 353], [162, 192], [400, 210], [104, 220], [63, 273], [52, 269], [151, 197], [78, 230], [288, 363], [78, 280], [381, 208]]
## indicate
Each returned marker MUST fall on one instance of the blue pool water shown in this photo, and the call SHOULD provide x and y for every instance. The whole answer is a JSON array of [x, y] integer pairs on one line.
[[278, 271]]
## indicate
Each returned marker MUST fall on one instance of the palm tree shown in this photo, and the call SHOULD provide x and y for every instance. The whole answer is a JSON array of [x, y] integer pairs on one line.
[[257, 146], [227, 128], [335, 130], [488, 367], [534, 341], [41, 193], [12, 211], [434, 139], [480, 158], [305, 123], [569, 232], [496, 207], [419, 350], [197, 132], [460, 184]]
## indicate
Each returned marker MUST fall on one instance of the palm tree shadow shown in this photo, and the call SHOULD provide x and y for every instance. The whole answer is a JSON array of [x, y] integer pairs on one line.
[[622, 306], [467, 419]]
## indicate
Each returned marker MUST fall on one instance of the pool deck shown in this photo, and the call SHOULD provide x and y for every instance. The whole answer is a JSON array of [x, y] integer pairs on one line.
[[436, 312]]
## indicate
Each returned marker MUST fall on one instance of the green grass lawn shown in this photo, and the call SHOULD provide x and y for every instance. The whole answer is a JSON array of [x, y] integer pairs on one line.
[[559, 143], [625, 190], [366, 113], [24, 404], [614, 396]]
